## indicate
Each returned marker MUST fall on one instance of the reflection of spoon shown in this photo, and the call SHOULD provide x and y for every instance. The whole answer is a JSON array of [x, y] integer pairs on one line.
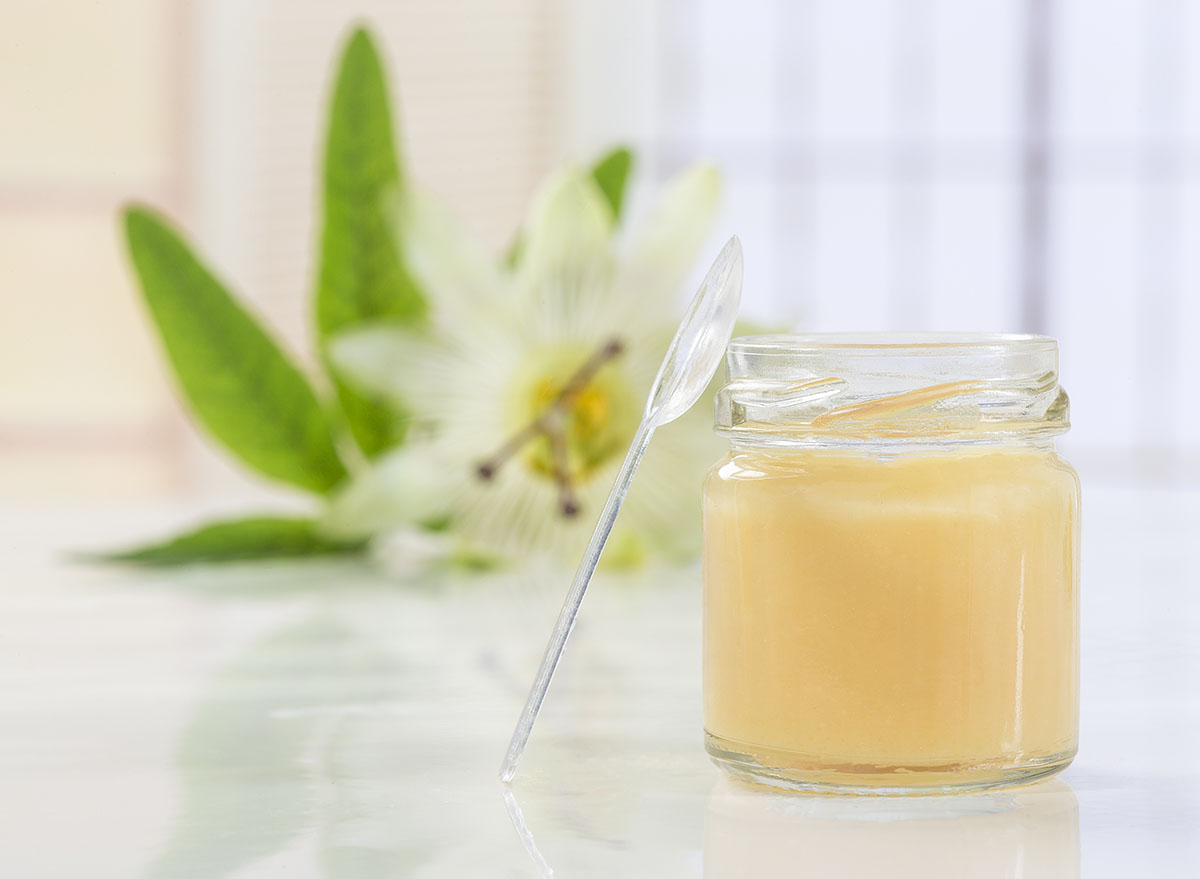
[[523, 831], [1030, 832], [693, 357]]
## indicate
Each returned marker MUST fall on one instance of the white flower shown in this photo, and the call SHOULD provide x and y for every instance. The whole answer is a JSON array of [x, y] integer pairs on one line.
[[528, 387]]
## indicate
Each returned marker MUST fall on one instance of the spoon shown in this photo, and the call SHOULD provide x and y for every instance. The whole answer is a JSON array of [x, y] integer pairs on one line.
[[686, 370]]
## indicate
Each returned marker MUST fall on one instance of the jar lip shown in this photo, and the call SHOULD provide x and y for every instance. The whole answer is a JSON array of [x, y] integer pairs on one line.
[[902, 387], [947, 344]]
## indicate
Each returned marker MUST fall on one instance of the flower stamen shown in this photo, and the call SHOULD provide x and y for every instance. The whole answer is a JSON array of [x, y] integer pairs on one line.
[[567, 503], [551, 423]]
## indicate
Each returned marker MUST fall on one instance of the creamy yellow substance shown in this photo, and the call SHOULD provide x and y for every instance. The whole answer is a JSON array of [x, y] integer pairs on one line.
[[867, 616]]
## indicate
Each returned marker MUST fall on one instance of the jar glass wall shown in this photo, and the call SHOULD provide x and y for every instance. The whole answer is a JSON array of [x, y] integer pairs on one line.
[[891, 565]]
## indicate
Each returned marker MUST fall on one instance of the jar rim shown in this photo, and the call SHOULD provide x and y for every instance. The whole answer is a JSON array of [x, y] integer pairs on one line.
[[916, 388], [950, 344]]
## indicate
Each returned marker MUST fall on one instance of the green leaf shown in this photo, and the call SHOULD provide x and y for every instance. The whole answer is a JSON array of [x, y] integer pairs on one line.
[[239, 383], [375, 425], [611, 173], [263, 537], [512, 253], [362, 273]]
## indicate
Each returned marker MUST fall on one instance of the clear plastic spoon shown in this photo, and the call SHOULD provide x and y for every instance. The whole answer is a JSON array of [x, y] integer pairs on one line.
[[689, 365]]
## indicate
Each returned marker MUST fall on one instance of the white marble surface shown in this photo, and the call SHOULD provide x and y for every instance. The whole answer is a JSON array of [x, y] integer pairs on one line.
[[331, 720]]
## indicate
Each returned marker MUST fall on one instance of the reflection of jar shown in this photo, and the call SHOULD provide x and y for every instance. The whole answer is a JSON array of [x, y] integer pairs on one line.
[[1032, 833], [891, 564]]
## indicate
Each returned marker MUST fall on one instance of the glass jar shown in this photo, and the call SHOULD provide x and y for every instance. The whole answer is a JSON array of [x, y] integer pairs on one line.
[[891, 564]]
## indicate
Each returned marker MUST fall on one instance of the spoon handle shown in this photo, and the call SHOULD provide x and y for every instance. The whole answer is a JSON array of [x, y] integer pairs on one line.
[[570, 608]]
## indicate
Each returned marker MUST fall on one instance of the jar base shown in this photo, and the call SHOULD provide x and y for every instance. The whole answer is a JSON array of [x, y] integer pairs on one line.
[[789, 771]]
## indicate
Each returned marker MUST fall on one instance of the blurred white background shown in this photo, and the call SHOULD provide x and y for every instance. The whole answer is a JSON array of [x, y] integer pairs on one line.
[[983, 165]]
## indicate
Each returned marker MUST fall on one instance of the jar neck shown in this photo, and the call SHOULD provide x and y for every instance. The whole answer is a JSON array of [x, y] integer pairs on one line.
[[926, 391]]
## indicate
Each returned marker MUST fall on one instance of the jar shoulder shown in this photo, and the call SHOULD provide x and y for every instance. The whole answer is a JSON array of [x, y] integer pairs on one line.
[[1004, 466]]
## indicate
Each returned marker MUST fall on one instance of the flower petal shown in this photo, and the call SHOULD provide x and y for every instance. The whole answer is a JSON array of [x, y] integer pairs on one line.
[[461, 279], [384, 359], [568, 236], [676, 229], [404, 487]]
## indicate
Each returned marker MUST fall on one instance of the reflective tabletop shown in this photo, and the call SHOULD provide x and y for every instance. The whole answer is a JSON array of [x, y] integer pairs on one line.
[[347, 719]]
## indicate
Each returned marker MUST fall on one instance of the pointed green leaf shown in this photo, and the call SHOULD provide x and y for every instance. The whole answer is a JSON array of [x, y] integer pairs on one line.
[[512, 253], [611, 174], [362, 272], [239, 383], [263, 537], [374, 424]]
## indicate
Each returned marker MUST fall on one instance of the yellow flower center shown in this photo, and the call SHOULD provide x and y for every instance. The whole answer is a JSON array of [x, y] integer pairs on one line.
[[569, 417], [595, 423]]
